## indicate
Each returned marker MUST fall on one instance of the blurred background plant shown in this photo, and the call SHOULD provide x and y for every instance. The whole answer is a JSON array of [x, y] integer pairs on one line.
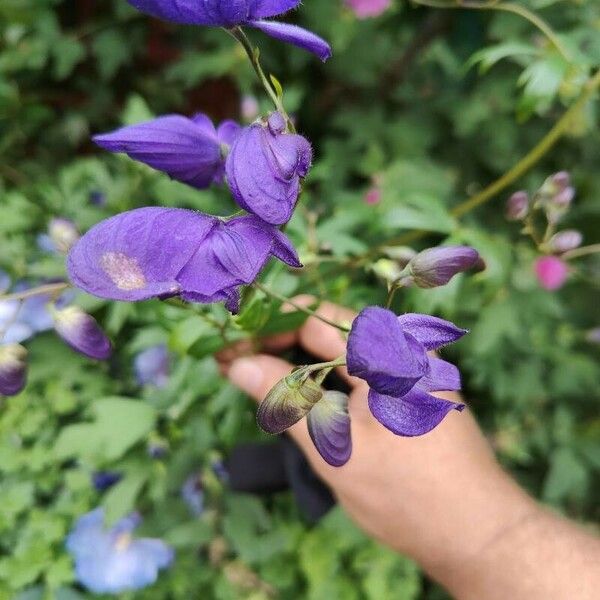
[[419, 110]]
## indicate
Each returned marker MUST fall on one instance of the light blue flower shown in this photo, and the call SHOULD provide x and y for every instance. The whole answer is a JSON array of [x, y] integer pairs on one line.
[[110, 561], [151, 366]]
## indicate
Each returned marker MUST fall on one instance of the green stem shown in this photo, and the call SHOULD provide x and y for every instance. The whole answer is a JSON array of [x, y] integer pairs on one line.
[[239, 34], [583, 251], [299, 307], [51, 288], [508, 7]]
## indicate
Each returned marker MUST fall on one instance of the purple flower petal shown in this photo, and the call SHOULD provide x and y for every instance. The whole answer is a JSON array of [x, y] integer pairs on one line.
[[82, 333], [188, 150], [152, 366], [380, 353], [232, 255], [442, 376], [13, 369], [415, 413], [329, 428], [432, 332], [196, 12], [298, 36], [264, 168], [228, 131], [259, 9], [137, 255]]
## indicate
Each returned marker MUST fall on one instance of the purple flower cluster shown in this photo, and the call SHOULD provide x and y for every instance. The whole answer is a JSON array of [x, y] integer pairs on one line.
[[391, 354], [160, 253], [21, 320]]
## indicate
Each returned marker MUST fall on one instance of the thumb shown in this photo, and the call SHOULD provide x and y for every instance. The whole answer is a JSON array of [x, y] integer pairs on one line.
[[256, 375]]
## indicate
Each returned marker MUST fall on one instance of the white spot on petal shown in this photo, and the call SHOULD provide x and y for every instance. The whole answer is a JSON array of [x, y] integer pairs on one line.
[[123, 270]]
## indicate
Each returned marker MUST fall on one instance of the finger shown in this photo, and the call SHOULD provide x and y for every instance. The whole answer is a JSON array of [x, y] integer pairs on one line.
[[256, 375]]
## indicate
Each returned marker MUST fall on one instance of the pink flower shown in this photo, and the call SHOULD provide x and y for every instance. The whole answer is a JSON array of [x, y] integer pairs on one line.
[[364, 9], [372, 196], [551, 272]]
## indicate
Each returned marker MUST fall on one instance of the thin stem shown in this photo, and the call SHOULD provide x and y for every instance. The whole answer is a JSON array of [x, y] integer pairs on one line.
[[583, 251], [509, 7], [50, 288], [239, 34], [299, 307]]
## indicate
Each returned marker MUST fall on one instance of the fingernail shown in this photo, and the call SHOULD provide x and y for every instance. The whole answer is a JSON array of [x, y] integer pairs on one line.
[[247, 375]]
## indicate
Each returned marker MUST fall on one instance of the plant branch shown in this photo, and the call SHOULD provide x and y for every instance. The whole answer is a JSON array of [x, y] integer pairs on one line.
[[50, 288], [583, 251], [299, 307], [239, 34]]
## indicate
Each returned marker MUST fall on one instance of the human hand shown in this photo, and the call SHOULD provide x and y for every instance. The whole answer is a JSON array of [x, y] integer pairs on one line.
[[439, 498]]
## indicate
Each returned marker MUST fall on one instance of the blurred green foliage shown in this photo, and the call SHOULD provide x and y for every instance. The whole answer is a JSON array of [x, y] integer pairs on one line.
[[432, 104]]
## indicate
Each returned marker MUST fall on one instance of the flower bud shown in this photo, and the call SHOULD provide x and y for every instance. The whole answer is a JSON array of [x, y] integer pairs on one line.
[[287, 402], [517, 206], [436, 266], [63, 234], [152, 366], [551, 272], [561, 179], [372, 196], [81, 331], [566, 240], [249, 108], [13, 369], [192, 493]]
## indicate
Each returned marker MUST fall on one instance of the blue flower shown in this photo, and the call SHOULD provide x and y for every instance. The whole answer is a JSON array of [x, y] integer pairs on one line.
[[151, 366], [110, 561], [192, 493], [103, 480]]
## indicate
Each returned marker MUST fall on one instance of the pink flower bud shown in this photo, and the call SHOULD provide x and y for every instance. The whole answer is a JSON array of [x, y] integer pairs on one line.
[[566, 240], [517, 206], [372, 196], [551, 272], [364, 9]]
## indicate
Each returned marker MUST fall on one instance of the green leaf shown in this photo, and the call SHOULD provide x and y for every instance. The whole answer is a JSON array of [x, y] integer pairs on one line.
[[567, 477], [119, 424], [121, 498], [488, 57]]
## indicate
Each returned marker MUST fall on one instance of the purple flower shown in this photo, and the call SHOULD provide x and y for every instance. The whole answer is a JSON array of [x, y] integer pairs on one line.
[[192, 493], [81, 331], [103, 480], [162, 252], [13, 369], [379, 352], [517, 206], [264, 169], [566, 240], [97, 198], [390, 354], [188, 150], [231, 13], [151, 366], [436, 266], [329, 428], [110, 561]]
